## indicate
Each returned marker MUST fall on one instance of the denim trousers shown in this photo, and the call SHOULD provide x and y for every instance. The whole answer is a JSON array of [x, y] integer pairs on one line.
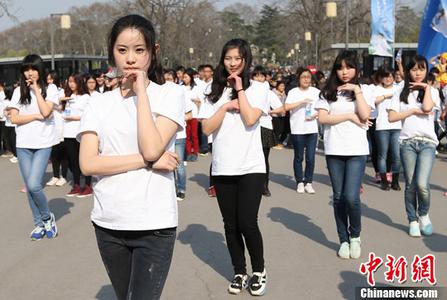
[[33, 164], [346, 173], [180, 171], [417, 161], [301, 143], [388, 140], [137, 262]]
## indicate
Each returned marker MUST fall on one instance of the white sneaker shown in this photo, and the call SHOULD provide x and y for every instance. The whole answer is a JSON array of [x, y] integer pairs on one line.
[[61, 181], [13, 159], [414, 230], [354, 248], [258, 283], [300, 188], [343, 252], [52, 181], [238, 284], [309, 189], [426, 226]]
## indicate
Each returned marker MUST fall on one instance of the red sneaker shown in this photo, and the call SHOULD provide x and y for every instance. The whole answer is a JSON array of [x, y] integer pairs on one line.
[[86, 191], [389, 177], [211, 191], [74, 191]]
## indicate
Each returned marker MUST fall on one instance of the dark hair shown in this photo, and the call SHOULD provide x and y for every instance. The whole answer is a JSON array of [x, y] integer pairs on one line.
[[81, 87], [173, 74], [55, 76], [329, 91], [8, 90], [144, 26], [299, 72], [420, 62], [280, 82], [34, 62], [180, 68], [190, 72], [258, 70], [434, 70], [207, 66], [89, 76], [431, 77], [385, 71], [221, 74]]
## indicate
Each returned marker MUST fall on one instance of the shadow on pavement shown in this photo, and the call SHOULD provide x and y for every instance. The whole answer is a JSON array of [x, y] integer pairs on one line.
[[60, 207], [106, 293], [209, 247], [351, 280], [301, 225], [283, 179], [201, 179], [436, 242], [381, 217]]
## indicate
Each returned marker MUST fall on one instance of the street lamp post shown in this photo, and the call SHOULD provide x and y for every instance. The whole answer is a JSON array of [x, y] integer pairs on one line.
[[297, 50], [347, 25], [308, 39], [65, 24], [331, 12]]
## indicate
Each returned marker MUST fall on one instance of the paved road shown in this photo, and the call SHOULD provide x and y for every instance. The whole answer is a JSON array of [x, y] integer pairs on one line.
[[298, 230]]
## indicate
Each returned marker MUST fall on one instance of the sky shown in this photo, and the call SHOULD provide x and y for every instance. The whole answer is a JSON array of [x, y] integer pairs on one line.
[[26, 10]]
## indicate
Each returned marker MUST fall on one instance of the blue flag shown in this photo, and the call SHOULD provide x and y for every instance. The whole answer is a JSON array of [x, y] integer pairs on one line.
[[382, 27], [433, 33]]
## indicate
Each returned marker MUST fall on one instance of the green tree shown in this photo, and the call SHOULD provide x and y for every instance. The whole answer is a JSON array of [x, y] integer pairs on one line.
[[268, 37]]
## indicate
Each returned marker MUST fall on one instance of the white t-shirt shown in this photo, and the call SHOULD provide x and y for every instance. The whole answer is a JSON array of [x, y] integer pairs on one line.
[[203, 97], [188, 107], [345, 138], [76, 106], [190, 94], [237, 149], [416, 126], [274, 102], [141, 199], [36, 134], [382, 122], [298, 122], [58, 120]]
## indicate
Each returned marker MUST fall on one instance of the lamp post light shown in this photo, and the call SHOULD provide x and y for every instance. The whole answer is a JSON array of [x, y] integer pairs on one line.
[[347, 25], [308, 39], [297, 50], [331, 12], [65, 24], [191, 52]]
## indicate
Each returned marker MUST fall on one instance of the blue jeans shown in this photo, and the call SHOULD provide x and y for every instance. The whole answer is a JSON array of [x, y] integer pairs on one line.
[[388, 139], [180, 172], [417, 161], [346, 173], [33, 163], [301, 142], [137, 262]]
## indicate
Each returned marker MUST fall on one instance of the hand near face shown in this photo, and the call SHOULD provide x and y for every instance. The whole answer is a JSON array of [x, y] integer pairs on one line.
[[349, 87], [235, 81], [137, 79]]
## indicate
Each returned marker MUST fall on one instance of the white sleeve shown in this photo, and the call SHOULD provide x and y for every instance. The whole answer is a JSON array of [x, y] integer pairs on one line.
[[368, 94], [292, 97], [90, 120], [274, 100], [172, 104], [14, 103], [257, 95], [52, 94], [207, 110], [188, 105], [395, 103], [436, 98], [322, 104]]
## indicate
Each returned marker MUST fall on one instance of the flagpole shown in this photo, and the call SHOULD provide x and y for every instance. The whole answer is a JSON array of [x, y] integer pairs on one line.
[[394, 33]]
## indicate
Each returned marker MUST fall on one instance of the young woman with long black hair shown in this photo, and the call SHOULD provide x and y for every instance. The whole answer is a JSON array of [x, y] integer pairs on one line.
[[135, 206], [231, 113], [31, 110], [75, 102], [415, 107], [344, 110]]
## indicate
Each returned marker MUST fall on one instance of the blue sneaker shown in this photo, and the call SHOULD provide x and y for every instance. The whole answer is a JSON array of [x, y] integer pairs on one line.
[[50, 227], [426, 226], [37, 234]]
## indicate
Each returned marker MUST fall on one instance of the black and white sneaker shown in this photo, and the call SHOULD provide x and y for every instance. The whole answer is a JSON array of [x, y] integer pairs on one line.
[[239, 283], [258, 283]]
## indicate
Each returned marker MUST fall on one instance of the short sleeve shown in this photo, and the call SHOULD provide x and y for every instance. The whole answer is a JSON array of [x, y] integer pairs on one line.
[[172, 105], [188, 105], [52, 94], [395, 103], [322, 104], [15, 99], [291, 97], [90, 120], [368, 94], [257, 95], [274, 100], [436, 98], [207, 110]]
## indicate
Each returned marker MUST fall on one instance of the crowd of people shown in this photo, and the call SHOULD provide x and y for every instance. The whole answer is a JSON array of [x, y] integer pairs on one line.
[[236, 112]]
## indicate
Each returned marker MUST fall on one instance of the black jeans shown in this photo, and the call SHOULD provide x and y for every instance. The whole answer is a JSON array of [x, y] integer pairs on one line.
[[9, 139], [137, 262], [59, 159], [72, 147], [239, 198]]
